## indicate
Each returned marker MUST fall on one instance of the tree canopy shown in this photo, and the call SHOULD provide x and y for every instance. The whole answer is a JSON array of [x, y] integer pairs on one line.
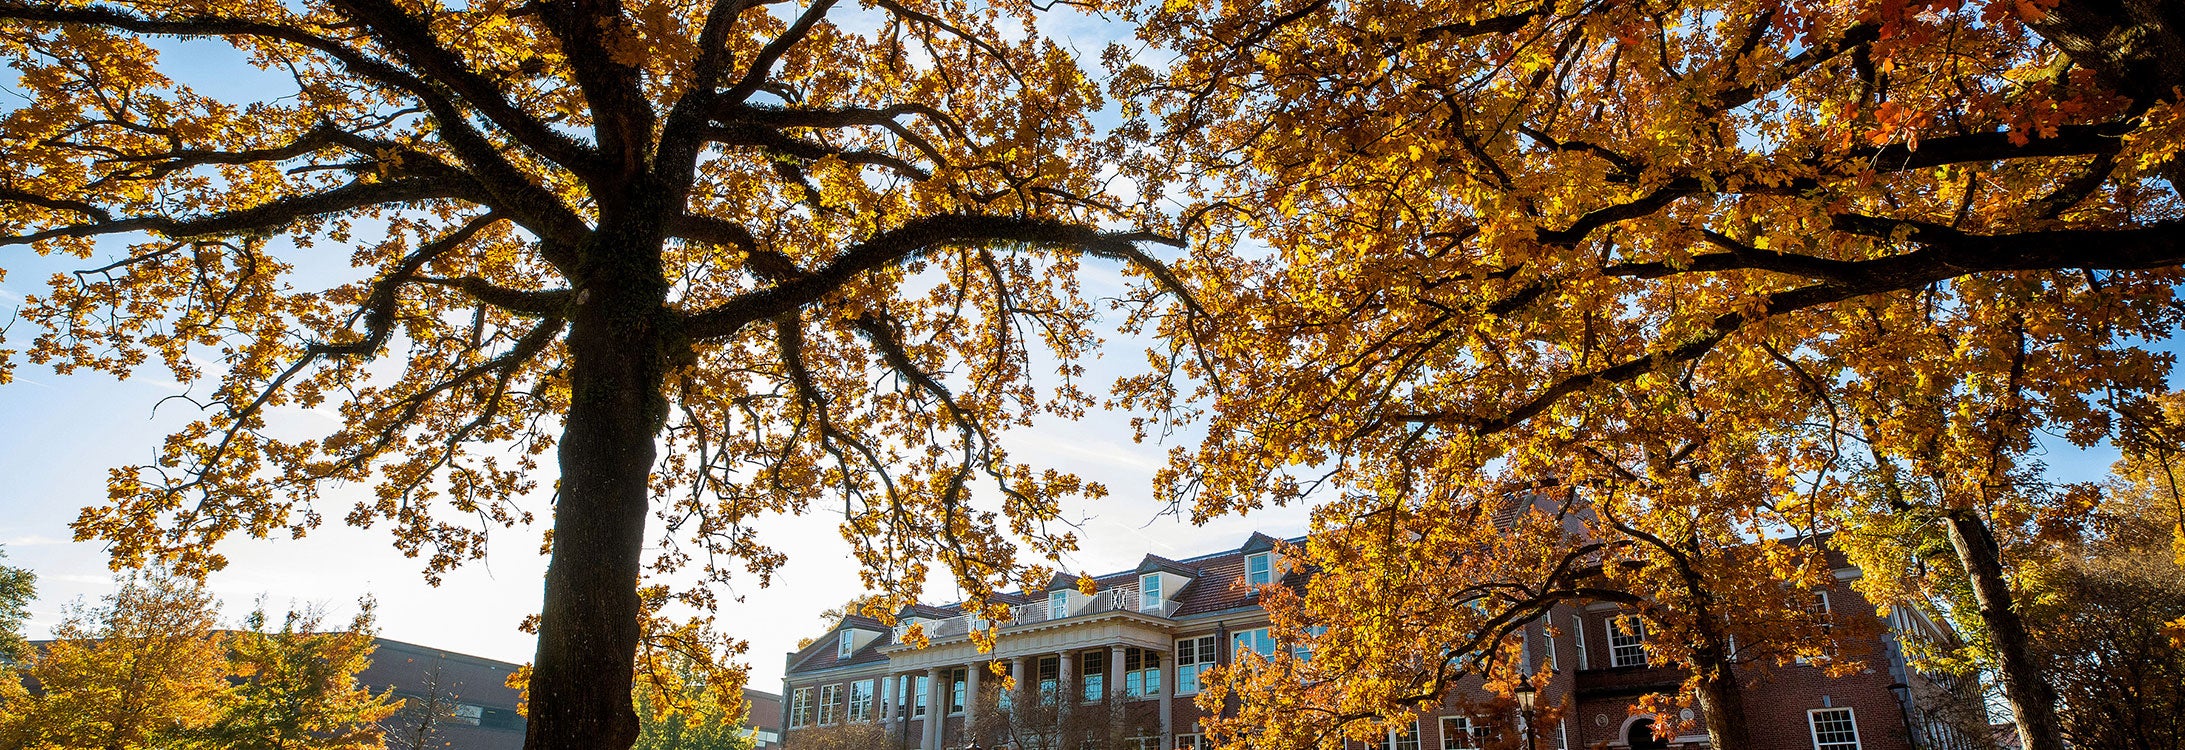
[[724, 259], [1699, 261]]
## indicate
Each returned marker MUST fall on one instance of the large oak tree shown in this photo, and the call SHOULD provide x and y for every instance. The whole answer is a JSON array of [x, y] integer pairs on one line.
[[1695, 253], [722, 259]]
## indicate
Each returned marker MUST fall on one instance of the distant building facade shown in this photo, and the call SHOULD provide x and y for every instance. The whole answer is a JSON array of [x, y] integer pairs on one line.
[[454, 701], [1143, 638], [451, 701]]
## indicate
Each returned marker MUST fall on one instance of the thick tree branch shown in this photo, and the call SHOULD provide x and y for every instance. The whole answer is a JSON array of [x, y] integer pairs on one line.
[[402, 31], [268, 216], [898, 245], [1945, 254]]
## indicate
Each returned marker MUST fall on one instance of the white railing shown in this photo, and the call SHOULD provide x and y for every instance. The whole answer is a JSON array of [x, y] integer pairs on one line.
[[1035, 612]]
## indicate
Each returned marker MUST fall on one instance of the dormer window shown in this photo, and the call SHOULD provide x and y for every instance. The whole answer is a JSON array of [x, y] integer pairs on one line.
[[1058, 605], [845, 645], [1259, 569], [1149, 592]]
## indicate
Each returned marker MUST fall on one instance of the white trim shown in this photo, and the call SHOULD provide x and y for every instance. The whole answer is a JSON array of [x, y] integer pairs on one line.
[[1813, 730], [1616, 633], [1269, 558], [1578, 627], [1149, 597], [1471, 733]]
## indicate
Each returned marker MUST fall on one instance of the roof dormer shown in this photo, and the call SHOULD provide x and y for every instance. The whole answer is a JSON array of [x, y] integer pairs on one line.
[[1160, 582], [1262, 561]]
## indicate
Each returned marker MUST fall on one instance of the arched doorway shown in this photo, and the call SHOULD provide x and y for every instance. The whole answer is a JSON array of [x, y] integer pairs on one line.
[[1640, 736]]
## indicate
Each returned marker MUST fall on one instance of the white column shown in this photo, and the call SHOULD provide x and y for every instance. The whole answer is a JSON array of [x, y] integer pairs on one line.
[[971, 702], [936, 709], [1114, 678], [1021, 669], [1168, 699], [883, 699]]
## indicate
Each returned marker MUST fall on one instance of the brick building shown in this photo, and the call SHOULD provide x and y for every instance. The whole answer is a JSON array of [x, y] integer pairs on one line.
[[1141, 640], [454, 701]]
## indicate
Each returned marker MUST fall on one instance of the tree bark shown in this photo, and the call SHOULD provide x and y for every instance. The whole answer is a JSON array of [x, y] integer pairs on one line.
[[2032, 700], [1721, 700], [589, 630]]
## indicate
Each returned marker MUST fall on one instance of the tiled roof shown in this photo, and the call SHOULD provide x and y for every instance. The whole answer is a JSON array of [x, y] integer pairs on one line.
[[823, 653], [1216, 584]]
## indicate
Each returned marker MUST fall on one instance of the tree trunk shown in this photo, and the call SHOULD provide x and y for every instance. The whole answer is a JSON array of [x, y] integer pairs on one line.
[[588, 631], [1721, 701], [2032, 700]]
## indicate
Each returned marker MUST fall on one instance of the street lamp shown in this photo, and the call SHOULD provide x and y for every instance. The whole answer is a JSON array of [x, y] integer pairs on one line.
[[1525, 693]]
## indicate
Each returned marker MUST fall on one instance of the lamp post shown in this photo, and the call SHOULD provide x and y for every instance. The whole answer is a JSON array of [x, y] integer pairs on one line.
[[1525, 693]]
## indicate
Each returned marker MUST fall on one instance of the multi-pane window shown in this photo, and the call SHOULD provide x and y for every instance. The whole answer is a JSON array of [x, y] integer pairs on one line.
[[1050, 677], [844, 646], [1141, 672], [861, 700], [1304, 650], [1093, 665], [1626, 641], [1459, 733], [1562, 735], [1818, 607], [957, 681], [1149, 592], [1256, 640], [830, 703], [1193, 656], [918, 696], [1578, 632], [1058, 605], [1402, 739], [1547, 640], [1833, 729], [1259, 569], [1193, 741], [800, 707]]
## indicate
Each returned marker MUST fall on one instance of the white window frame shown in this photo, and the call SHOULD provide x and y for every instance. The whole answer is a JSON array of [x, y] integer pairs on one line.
[[919, 688], [860, 705], [1193, 741], [830, 697], [800, 707], [1825, 611], [1203, 656], [1093, 685], [1466, 733], [1813, 728], [1256, 640], [1265, 561], [1578, 629], [1145, 680], [1058, 605], [1554, 664], [1149, 592], [1620, 644], [845, 645], [1397, 740], [959, 689]]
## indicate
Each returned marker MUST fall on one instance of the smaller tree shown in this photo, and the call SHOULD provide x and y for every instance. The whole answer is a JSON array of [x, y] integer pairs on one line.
[[143, 669], [849, 736], [418, 719], [298, 688], [17, 589], [2099, 611], [1046, 722]]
